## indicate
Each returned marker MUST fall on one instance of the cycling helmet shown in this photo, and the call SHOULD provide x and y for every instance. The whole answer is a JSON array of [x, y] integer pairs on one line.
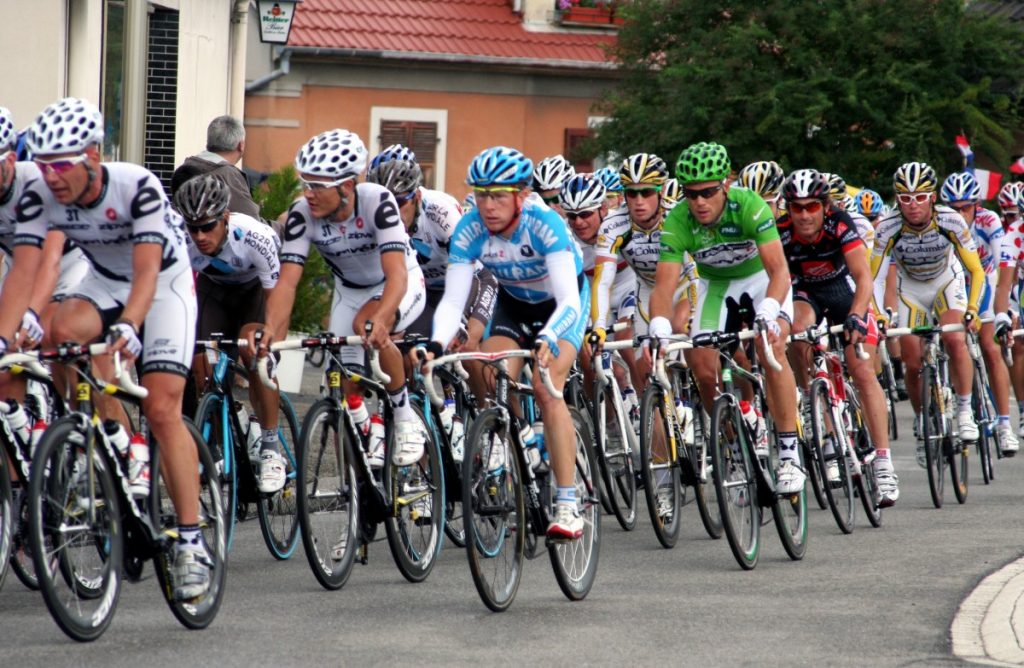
[[1010, 194], [914, 177], [500, 166], [671, 192], [67, 126], [335, 154], [393, 152], [705, 161], [397, 175], [806, 184], [868, 203], [552, 173], [202, 197], [765, 178], [610, 178], [582, 192], [960, 187], [643, 169], [836, 186], [8, 135]]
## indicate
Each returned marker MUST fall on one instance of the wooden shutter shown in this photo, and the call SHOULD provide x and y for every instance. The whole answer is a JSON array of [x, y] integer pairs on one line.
[[573, 138], [420, 136]]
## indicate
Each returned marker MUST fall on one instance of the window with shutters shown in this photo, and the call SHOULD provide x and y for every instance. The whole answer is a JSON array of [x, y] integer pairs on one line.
[[420, 136], [573, 138]]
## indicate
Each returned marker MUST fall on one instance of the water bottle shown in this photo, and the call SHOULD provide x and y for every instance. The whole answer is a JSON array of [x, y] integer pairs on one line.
[[538, 429], [243, 415], [357, 411], [452, 424], [253, 437], [138, 466], [755, 421], [17, 420], [117, 436], [376, 441], [684, 414], [632, 406], [529, 438], [447, 413]]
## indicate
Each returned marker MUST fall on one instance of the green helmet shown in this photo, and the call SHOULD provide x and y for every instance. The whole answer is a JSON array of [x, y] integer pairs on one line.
[[706, 161]]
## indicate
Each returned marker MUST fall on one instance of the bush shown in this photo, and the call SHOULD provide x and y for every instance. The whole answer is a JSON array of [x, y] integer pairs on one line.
[[313, 296]]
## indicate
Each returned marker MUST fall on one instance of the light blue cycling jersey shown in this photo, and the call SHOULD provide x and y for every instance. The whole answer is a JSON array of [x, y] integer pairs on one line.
[[518, 262]]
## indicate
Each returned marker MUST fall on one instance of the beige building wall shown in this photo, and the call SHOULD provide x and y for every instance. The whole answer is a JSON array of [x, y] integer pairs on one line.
[[35, 73]]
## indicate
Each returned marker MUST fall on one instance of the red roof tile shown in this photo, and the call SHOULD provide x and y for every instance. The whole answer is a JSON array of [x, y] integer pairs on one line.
[[444, 28]]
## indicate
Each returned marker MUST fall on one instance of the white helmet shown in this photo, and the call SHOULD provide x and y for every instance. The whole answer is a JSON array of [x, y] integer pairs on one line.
[[582, 192], [335, 154], [8, 136], [552, 173], [67, 126]]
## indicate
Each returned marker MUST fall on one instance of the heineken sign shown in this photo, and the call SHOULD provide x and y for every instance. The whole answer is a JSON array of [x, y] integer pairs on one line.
[[276, 20]]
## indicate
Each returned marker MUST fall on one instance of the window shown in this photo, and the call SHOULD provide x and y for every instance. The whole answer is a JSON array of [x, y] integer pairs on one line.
[[420, 137], [573, 138], [113, 77], [425, 131]]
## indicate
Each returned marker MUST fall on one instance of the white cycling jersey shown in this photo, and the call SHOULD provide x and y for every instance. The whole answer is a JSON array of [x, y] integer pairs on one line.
[[249, 252], [352, 247], [431, 231], [131, 209], [989, 235], [23, 173], [864, 228]]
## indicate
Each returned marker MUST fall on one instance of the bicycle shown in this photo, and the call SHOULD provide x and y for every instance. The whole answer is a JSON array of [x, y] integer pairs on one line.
[[341, 499], [744, 478], [840, 436], [218, 422], [943, 447], [502, 500], [985, 413], [87, 529]]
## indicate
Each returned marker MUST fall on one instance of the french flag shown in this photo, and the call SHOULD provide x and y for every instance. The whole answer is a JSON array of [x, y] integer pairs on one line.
[[1018, 165], [989, 182], [967, 151]]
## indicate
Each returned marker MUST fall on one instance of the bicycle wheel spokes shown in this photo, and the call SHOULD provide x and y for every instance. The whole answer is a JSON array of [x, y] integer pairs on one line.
[[493, 512], [328, 502], [278, 512], [829, 442], [933, 433], [735, 483], [660, 473]]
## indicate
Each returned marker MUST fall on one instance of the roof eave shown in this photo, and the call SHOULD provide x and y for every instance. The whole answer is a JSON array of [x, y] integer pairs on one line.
[[453, 58]]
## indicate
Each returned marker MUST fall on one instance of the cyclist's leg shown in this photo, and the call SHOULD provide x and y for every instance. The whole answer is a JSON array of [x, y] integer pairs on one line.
[[950, 304], [998, 374], [804, 315]]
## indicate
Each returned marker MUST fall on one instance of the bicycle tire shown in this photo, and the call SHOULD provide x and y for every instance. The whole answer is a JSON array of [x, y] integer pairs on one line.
[[20, 561], [575, 562], [598, 420], [329, 521], [704, 492], [932, 427], [839, 493], [812, 457], [735, 482], [867, 480], [210, 422], [958, 456], [278, 512], [7, 515], [666, 476], [979, 404], [613, 462], [493, 512], [59, 499], [790, 511], [454, 526], [199, 613]]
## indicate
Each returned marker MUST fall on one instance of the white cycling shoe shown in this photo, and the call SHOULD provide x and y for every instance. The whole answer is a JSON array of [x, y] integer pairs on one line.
[[789, 478], [968, 428], [409, 443]]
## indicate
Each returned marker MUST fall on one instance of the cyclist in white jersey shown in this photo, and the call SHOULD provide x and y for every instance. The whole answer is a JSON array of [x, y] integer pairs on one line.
[[962, 193], [120, 217], [359, 233], [236, 264], [548, 178], [920, 237], [529, 250]]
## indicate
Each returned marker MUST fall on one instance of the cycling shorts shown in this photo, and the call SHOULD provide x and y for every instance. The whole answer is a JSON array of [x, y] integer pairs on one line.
[[74, 266], [479, 306], [832, 300], [641, 312], [522, 321], [226, 308], [919, 300], [726, 305]]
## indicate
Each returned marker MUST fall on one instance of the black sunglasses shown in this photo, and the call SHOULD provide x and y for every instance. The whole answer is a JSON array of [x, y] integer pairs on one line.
[[582, 215], [703, 193], [203, 228], [551, 200], [641, 192]]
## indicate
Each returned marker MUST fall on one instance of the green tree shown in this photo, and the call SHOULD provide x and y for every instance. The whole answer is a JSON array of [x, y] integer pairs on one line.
[[849, 86], [313, 296]]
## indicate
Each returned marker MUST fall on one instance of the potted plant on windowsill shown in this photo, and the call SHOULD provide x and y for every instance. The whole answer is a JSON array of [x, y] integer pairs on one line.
[[591, 13]]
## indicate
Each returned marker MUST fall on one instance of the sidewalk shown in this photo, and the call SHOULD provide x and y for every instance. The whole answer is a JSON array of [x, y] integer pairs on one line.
[[989, 626]]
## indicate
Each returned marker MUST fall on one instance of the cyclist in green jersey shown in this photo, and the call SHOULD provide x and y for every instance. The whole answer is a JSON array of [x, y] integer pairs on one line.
[[732, 237]]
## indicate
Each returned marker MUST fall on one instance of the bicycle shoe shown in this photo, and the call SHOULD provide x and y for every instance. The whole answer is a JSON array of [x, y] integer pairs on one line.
[[567, 523]]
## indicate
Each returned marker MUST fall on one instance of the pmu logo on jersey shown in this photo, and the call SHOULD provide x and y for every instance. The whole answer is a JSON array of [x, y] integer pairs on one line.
[[526, 251], [111, 214], [359, 222]]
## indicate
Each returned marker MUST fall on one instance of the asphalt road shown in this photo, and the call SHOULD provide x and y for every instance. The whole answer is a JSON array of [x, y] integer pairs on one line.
[[878, 597]]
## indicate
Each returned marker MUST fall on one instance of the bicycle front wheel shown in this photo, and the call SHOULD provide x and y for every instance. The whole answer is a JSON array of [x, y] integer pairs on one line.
[[659, 468], [575, 561], [933, 433], [328, 496], [830, 450], [493, 511], [215, 428], [278, 512], [75, 530], [614, 460], [735, 482]]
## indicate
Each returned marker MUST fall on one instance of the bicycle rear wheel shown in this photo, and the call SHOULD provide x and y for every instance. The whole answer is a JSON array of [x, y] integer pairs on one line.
[[575, 561], [216, 428], [613, 460], [7, 515], [735, 482], [933, 433], [838, 489], [866, 480], [987, 433], [75, 528], [328, 495], [493, 511], [789, 513], [659, 469], [958, 456], [278, 512]]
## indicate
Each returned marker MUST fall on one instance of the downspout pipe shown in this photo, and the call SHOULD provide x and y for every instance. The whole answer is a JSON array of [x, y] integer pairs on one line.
[[284, 66]]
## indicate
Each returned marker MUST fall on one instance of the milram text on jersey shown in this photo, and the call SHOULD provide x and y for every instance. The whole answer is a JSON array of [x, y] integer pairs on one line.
[[249, 251], [351, 247], [518, 262], [131, 209]]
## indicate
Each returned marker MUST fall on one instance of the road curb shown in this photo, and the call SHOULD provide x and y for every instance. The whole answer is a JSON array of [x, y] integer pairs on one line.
[[989, 625]]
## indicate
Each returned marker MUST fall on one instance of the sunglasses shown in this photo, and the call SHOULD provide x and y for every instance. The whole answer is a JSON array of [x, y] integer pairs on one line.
[[703, 193], [810, 207], [553, 199], [202, 228], [59, 165], [632, 193], [322, 185], [962, 207], [915, 198], [582, 215], [402, 199], [494, 192]]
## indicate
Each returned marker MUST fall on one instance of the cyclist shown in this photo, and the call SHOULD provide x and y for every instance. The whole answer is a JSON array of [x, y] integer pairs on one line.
[[670, 194], [842, 200], [766, 179], [236, 264], [920, 237], [539, 269], [961, 192], [732, 236], [832, 280], [609, 176], [548, 178], [357, 230], [1008, 289], [870, 205], [139, 275]]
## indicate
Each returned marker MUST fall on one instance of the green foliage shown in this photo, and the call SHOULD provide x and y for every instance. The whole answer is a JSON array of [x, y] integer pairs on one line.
[[313, 296], [848, 86]]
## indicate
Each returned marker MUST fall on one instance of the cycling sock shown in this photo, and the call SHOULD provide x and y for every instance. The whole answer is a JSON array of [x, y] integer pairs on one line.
[[270, 443], [882, 453], [400, 402], [787, 446], [189, 536], [897, 368], [963, 402], [1004, 419], [565, 494], [883, 462]]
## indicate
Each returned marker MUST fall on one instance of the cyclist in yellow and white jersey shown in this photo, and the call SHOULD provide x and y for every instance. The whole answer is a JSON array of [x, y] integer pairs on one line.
[[766, 178], [921, 237], [609, 176]]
